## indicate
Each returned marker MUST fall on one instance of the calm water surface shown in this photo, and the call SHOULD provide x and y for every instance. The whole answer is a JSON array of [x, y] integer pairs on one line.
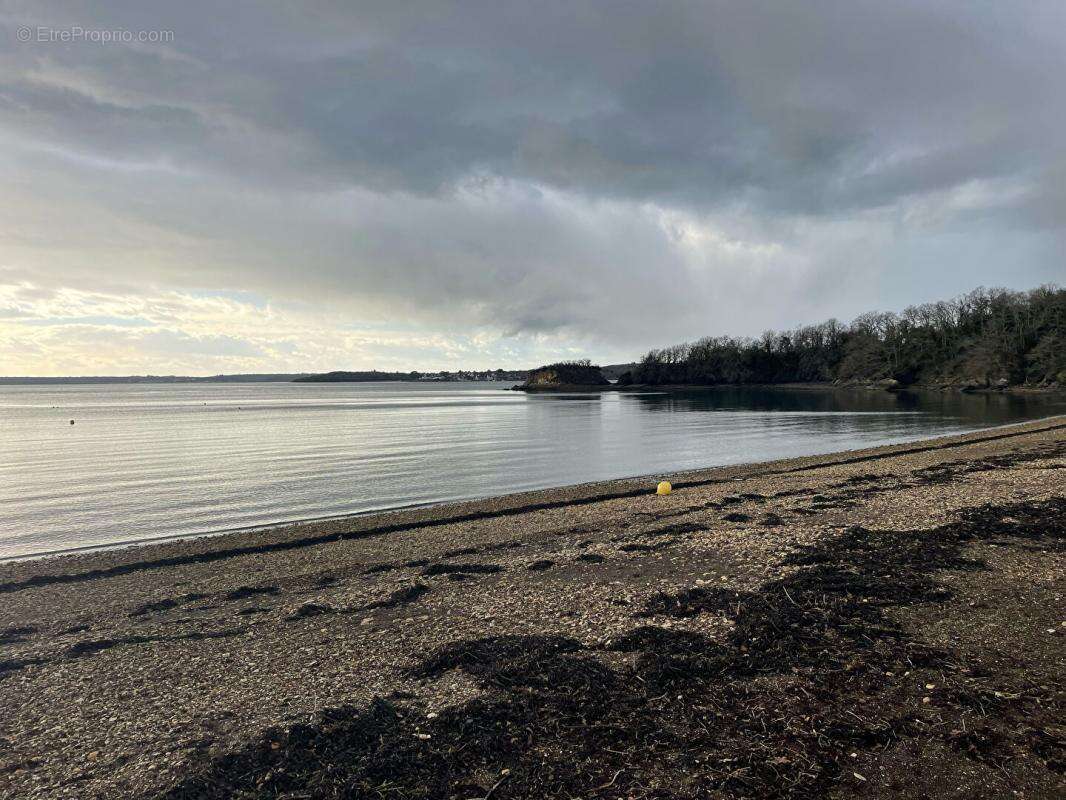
[[151, 461]]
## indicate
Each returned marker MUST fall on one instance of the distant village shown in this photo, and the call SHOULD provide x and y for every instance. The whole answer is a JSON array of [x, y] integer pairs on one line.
[[474, 375], [444, 375]]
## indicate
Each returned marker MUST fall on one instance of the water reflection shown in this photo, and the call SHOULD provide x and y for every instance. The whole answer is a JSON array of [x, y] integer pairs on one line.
[[151, 461], [978, 408]]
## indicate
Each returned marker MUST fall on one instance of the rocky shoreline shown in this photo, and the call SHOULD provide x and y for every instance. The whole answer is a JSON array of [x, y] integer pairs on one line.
[[881, 623]]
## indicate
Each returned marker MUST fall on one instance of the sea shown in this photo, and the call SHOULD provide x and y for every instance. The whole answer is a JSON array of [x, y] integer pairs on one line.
[[92, 466]]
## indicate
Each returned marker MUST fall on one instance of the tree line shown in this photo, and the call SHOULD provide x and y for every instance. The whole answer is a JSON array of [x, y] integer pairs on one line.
[[984, 338]]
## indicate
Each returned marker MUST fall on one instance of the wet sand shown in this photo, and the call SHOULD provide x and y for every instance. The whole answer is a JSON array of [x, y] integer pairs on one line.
[[881, 623]]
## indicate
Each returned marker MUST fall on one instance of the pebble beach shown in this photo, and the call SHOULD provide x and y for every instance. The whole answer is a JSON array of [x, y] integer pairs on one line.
[[876, 623]]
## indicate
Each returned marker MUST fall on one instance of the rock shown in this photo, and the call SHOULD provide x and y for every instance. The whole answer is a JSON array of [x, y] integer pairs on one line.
[[311, 610], [565, 374]]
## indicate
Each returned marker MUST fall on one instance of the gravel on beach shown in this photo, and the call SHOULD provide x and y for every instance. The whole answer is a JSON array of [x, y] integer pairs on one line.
[[887, 623]]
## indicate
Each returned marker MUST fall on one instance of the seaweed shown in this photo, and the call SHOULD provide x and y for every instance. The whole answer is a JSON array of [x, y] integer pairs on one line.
[[400, 597], [806, 675], [461, 569]]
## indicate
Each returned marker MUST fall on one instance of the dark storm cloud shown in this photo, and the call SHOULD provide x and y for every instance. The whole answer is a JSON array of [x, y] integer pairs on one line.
[[527, 166], [798, 106]]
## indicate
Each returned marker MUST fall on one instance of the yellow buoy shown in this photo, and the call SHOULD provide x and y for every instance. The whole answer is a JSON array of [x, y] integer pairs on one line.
[[664, 488]]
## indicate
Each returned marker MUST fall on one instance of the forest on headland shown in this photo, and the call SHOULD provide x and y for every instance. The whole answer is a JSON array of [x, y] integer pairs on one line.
[[986, 338]]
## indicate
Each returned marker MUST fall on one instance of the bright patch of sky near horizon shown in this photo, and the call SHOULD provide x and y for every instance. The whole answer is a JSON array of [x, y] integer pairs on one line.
[[436, 185]]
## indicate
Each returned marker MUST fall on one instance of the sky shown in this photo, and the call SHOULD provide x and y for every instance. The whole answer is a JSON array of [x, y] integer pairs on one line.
[[197, 188]]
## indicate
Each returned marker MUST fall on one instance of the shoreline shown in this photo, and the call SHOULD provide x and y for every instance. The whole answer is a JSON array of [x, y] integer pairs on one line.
[[1014, 389], [593, 640], [628, 486]]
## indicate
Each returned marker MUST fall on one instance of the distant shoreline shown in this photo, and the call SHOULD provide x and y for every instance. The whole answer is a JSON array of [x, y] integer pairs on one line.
[[225, 379], [25, 380]]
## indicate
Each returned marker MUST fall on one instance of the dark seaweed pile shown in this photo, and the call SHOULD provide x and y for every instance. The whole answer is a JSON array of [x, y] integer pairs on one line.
[[810, 673]]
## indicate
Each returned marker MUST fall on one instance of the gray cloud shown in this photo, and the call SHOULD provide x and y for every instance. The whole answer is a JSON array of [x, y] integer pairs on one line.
[[618, 174]]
